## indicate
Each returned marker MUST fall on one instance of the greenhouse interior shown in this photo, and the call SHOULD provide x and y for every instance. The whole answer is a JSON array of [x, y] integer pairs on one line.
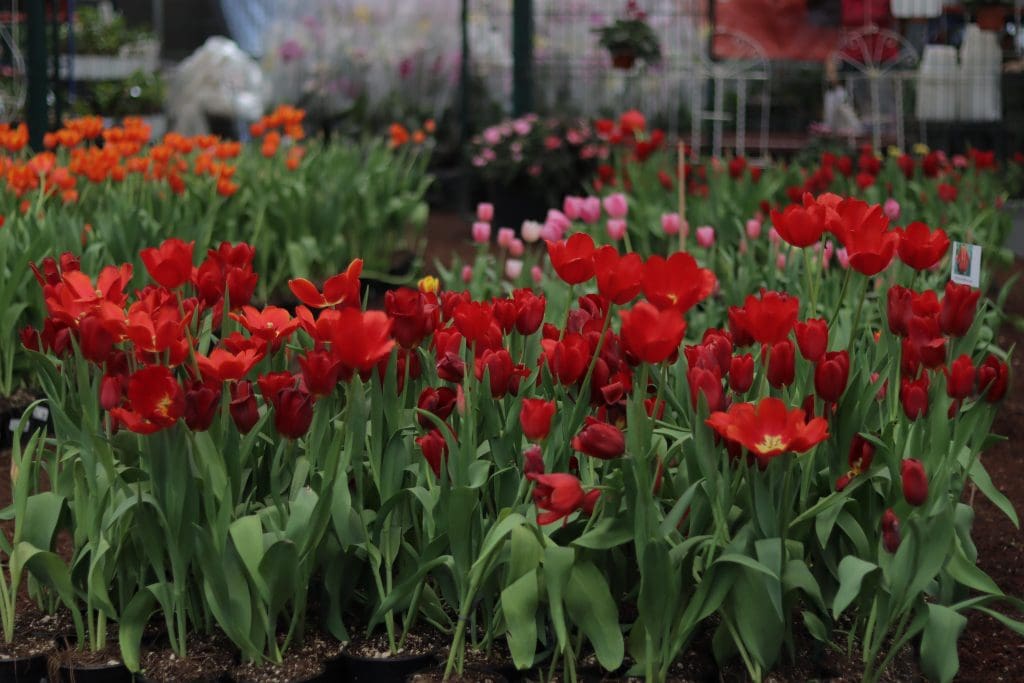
[[511, 341]]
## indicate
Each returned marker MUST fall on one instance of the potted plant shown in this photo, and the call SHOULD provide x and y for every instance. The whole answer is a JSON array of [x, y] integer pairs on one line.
[[141, 94], [106, 47], [630, 38]]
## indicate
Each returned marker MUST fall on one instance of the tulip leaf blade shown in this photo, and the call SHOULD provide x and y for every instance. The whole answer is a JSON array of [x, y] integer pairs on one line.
[[592, 608], [519, 605], [852, 571], [939, 658]]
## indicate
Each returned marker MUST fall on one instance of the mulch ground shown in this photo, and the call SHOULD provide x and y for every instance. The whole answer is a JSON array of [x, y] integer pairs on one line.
[[988, 650]]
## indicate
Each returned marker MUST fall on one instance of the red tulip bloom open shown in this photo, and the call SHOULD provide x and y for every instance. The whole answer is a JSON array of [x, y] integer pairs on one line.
[[650, 335], [769, 428], [155, 401], [573, 259]]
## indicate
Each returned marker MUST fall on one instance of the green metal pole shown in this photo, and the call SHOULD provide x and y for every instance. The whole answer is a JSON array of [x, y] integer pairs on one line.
[[522, 57], [465, 125], [38, 85]]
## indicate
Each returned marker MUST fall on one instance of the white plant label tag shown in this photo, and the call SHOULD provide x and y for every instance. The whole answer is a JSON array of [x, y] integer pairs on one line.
[[966, 266], [41, 413]]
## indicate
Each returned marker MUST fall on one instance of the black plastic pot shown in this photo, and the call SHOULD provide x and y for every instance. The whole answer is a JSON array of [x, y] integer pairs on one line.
[[223, 678], [469, 673], [40, 419], [29, 669], [322, 677], [98, 673], [358, 669]]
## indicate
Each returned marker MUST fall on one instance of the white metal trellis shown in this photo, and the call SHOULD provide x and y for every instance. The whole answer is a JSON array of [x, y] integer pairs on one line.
[[880, 59], [748, 65]]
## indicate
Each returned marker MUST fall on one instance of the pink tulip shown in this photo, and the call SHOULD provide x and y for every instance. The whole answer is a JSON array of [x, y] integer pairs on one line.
[[516, 247], [505, 237], [743, 246], [616, 229], [549, 232], [780, 260], [481, 232], [616, 206], [559, 220], [485, 212], [670, 223], [826, 255], [531, 231], [753, 228], [843, 258], [705, 236], [773, 236], [891, 208], [467, 273], [590, 211], [536, 274], [513, 268], [572, 207]]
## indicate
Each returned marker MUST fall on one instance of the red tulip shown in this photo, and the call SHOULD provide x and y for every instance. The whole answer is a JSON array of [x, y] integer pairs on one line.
[[504, 375], [914, 396], [769, 429], [812, 338], [535, 418], [201, 404], [339, 290], [573, 259], [890, 531], [94, 339], [960, 377], [741, 335], [293, 412], [677, 283], [155, 401], [993, 378], [440, 402], [741, 373], [170, 264], [416, 315], [559, 495], [709, 383], [927, 340], [864, 231], [798, 225], [529, 311], [111, 391], [861, 454], [650, 335], [958, 308], [272, 325], [768, 319], [274, 382], [360, 340], [618, 277], [224, 366], [781, 364], [568, 358], [320, 372], [915, 481], [244, 411], [600, 440], [920, 248], [898, 309], [830, 375], [533, 460], [434, 449]]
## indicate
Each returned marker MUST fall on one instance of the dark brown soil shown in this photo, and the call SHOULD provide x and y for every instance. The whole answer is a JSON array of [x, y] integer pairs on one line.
[[87, 659], [416, 643], [301, 663], [208, 659], [26, 646], [468, 676], [17, 401]]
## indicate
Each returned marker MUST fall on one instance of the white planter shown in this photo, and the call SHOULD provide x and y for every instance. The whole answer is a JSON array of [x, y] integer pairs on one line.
[[937, 79], [916, 9], [980, 91], [142, 56]]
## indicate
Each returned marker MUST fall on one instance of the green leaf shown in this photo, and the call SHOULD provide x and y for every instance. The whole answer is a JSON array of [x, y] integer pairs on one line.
[[133, 620], [852, 571], [519, 605], [558, 562], [984, 482], [594, 611], [748, 562], [608, 533], [798, 576], [42, 514], [939, 659]]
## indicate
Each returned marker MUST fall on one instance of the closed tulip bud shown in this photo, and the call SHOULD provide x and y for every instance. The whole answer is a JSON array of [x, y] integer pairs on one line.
[[293, 412], [741, 373], [600, 440], [830, 375], [434, 449], [781, 364], [505, 237], [467, 273], [516, 248], [891, 209], [537, 274], [890, 531], [535, 418], [110, 392], [753, 228], [590, 210], [960, 377], [898, 309], [958, 308], [707, 382], [481, 232], [914, 397], [616, 205], [706, 236], [993, 378], [244, 411], [616, 229], [572, 207], [533, 460], [812, 338], [670, 223], [915, 481], [440, 402], [513, 269], [200, 406], [485, 212], [531, 231]]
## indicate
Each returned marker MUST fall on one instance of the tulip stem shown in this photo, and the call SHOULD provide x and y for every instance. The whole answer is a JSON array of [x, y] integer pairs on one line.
[[856, 316], [842, 296]]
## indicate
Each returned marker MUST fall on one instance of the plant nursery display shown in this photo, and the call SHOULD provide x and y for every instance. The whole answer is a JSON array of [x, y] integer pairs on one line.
[[703, 409], [630, 38]]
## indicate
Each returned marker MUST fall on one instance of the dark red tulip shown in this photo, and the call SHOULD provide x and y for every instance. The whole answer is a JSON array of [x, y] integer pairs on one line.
[[781, 364], [529, 310], [890, 531], [914, 396], [434, 449], [708, 382], [94, 339], [320, 372], [960, 377], [415, 315], [440, 402], [899, 309], [111, 391], [244, 411], [533, 460], [831, 374], [293, 412], [915, 481], [958, 308], [600, 440], [993, 378], [201, 404]]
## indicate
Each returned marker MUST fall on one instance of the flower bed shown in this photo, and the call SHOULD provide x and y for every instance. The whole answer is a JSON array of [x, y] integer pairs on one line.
[[647, 453]]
